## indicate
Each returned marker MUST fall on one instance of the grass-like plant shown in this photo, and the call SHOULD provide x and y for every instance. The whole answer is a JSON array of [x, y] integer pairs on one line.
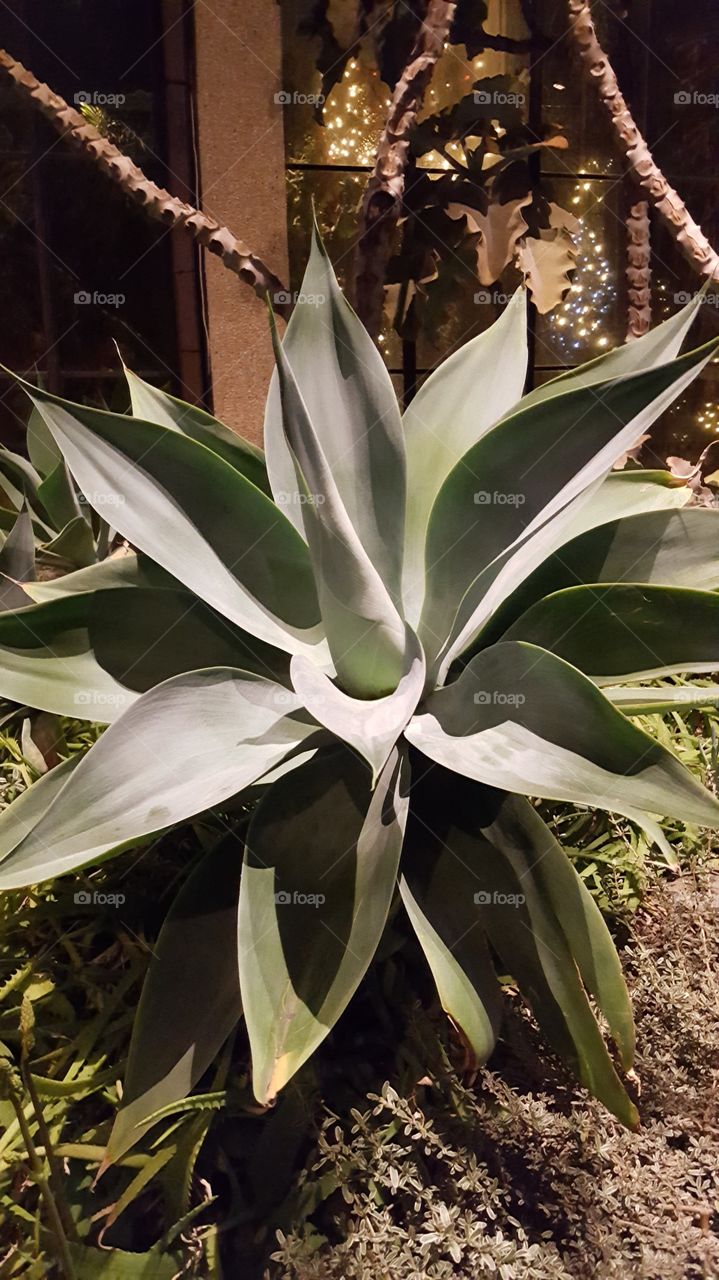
[[390, 631]]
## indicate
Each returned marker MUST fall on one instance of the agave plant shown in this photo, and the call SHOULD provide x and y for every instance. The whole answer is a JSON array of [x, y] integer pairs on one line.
[[46, 528], [393, 631]]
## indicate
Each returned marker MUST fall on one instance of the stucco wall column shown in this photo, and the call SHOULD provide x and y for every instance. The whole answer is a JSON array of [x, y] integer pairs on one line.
[[241, 146]]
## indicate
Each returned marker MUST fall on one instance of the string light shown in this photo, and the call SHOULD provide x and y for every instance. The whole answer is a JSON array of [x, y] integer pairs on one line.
[[583, 317]]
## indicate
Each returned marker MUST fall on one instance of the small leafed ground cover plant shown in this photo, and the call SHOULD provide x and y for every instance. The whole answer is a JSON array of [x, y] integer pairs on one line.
[[353, 660]]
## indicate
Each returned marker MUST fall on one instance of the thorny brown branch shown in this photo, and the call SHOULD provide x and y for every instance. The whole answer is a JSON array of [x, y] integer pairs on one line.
[[155, 201]]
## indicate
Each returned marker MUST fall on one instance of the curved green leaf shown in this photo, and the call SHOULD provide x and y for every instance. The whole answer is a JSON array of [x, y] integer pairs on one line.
[[665, 547], [660, 344], [352, 406], [17, 562], [520, 719], [621, 631], [58, 496], [151, 404], [20, 817], [194, 515], [185, 746], [371, 726], [529, 939], [122, 569], [438, 888], [365, 633], [528, 468], [647, 702], [75, 544], [91, 655], [466, 395], [480, 851], [519, 833], [461, 965], [319, 874], [190, 1000]]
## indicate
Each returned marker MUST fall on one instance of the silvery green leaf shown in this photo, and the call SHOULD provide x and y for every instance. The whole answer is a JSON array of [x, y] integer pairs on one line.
[[122, 569], [371, 726], [666, 547], [190, 999], [460, 400], [194, 515], [184, 747], [17, 562], [639, 701], [151, 404], [91, 655], [619, 631], [520, 834], [365, 633], [522, 720], [523, 472], [352, 406], [663, 342], [320, 871]]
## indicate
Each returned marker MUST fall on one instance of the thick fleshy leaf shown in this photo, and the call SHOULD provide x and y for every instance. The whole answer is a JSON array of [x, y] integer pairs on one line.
[[365, 633], [371, 726], [524, 930], [469, 392], [75, 544], [184, 747], [521, 719], [660, 344], [438, 888], [320, 870], [42, 450], [190, 1000], [353, 408], [91, 655], [58, 496], [669, 548], [194, 515], [628, 493], [620, 631], [519, 833], [498, 588], [458, 956], [486, 853], [20, 817], [527, 469], [122, 569], [17, 562], [151, 404], [18, 478], [648, 702]]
